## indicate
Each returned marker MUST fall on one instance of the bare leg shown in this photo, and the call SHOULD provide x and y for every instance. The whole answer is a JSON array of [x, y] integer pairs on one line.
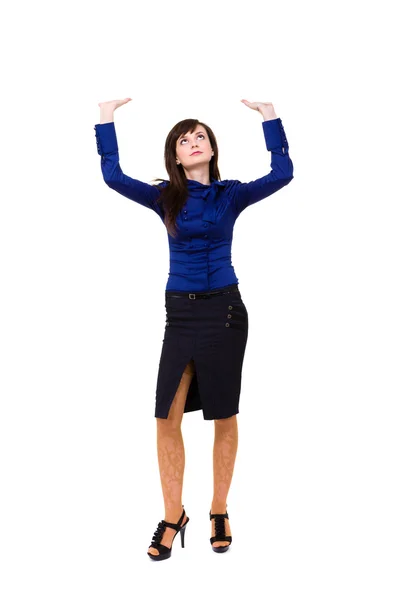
[[224, 456], [171, 457]]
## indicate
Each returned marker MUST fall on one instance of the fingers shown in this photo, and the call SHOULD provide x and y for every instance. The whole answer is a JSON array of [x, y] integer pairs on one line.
[[253, 105], [116, 102], [256, 105]]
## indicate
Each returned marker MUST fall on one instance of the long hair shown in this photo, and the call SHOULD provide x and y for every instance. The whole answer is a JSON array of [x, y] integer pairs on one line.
[[174, 195]]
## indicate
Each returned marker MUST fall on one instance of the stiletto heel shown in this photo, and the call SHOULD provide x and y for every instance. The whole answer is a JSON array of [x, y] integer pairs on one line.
[[164, 551], [220, 532], [183, 535]]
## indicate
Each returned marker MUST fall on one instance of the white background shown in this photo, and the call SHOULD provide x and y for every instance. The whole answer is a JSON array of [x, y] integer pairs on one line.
[[314, 499]]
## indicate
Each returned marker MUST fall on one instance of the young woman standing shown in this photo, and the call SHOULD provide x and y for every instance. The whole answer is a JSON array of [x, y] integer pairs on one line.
[[207, 321]]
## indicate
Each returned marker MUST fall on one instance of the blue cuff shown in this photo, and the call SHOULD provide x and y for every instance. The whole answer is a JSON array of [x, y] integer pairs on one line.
[[106, 138], [274, 133]]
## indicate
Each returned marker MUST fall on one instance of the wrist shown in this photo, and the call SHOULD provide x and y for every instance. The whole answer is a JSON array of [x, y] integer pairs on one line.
[[106, 114], [268, 116]]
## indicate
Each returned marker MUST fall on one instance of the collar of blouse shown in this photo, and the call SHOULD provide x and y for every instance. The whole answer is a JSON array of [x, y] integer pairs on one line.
[[210, 194]]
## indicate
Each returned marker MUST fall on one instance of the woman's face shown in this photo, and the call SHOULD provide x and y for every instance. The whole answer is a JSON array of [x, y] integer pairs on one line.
[[192, 142]]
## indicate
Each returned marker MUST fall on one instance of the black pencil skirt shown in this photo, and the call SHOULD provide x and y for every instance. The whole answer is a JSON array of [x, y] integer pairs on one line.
[[209, 331]]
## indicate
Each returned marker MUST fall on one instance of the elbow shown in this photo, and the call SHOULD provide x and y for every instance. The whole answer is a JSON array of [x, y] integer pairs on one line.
[[110, 174], [288, 172], [286, 181], [284, 171], [108, 180]]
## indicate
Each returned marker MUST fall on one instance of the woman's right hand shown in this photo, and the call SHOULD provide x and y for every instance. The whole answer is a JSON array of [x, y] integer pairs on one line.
[[113, 104]]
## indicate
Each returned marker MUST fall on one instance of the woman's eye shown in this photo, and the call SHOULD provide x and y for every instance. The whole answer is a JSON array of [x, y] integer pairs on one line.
[[200, 134]]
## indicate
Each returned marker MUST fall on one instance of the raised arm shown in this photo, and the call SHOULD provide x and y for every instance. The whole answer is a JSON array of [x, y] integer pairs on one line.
[[107, 147], [245, 194]]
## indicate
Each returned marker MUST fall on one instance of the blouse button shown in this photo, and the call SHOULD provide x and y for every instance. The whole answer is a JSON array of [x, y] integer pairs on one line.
[[226, 324], [229, 316], [230, 307]]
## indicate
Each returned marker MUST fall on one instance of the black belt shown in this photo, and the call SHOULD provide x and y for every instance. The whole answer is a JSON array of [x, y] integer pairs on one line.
[[194, 296]]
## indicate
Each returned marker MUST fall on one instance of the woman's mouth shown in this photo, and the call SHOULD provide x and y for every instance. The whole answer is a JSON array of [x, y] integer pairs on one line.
[[197, 152]]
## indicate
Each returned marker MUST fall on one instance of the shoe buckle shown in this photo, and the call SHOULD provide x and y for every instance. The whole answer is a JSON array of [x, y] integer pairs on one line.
[[192, 296]]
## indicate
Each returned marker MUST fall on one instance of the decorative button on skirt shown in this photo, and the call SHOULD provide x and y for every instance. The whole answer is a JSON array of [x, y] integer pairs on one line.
[[208, 333]]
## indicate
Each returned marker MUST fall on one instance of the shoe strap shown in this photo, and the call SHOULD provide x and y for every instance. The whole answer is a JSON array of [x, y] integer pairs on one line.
[[219, 515], [221, 538], [177, 525]]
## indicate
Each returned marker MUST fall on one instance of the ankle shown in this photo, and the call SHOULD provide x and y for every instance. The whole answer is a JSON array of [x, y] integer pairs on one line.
[[172, 515], [218, 508]]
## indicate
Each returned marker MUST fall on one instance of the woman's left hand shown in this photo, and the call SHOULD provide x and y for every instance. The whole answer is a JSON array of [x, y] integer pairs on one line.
[[265, 108]]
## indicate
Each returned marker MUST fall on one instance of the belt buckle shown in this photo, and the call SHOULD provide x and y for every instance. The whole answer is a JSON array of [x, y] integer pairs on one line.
[[192, 296]]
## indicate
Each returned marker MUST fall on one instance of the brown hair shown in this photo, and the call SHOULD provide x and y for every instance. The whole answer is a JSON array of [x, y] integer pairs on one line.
[[174, 195]]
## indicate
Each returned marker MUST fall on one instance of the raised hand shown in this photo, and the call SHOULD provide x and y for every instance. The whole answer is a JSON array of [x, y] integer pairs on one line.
[[113, 104], [265, 108]]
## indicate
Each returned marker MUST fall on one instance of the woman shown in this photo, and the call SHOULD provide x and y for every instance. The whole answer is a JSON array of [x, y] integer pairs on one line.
[[206, 319]]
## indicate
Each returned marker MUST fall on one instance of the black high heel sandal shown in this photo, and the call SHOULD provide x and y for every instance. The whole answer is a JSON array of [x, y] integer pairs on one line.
[[164, 551], [220, 532]]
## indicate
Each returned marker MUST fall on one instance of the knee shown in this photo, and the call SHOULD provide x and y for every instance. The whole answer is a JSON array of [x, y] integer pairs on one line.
[[225, 423], [169, 425]]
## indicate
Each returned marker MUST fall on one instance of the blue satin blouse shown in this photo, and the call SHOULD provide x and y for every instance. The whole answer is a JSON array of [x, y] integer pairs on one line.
[[200, 255]]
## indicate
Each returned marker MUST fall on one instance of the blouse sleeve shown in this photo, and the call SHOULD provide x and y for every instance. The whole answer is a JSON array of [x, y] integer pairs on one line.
[[138, 191], [245, 194]]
